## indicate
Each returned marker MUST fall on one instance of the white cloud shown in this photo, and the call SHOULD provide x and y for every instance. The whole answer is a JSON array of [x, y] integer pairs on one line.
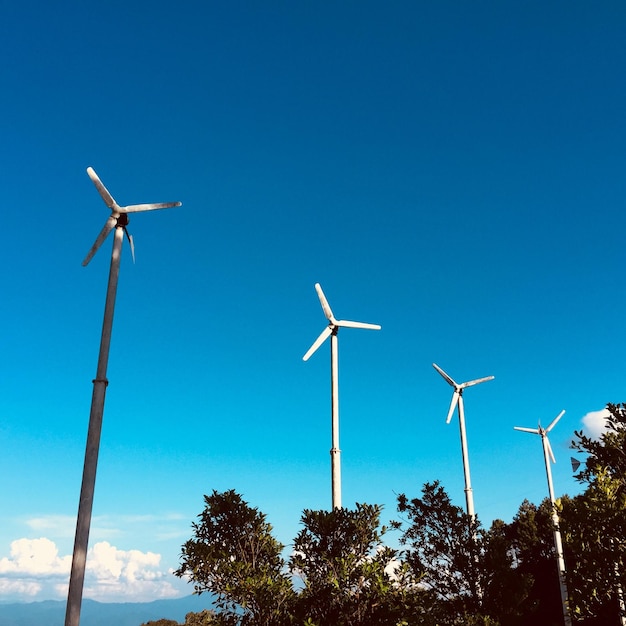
[[126, 574], [35, 557], [35, 571], [594, 423], [19, 588]]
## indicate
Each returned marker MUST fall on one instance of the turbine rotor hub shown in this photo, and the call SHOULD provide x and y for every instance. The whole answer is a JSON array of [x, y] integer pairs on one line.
[[122, 220]]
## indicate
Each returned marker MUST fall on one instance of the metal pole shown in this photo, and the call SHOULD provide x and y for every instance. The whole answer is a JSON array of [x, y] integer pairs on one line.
[[335, 452], [469, 494], [558, 546], [83, 523]]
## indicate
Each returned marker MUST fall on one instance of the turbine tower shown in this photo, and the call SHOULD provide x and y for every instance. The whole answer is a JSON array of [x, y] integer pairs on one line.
[[558, 546], [457, 400], [331, 330], [118, 220]]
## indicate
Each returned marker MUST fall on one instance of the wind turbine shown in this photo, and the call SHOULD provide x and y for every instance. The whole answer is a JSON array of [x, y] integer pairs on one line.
[[457, 400], [331, 330], [558, 546], [118, 220]]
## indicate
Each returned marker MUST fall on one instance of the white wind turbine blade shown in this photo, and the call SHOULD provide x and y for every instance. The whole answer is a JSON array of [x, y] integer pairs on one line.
[[550, 449], [103, 191], [108, 227], [555, 420], [348, 324], [477, 381], [318, 342], [455, 400], [527, 430], [445, 376], [136, 208], [325, 306]]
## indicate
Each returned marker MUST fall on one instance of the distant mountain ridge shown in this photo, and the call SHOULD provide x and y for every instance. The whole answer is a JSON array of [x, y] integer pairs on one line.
[[52, 612]]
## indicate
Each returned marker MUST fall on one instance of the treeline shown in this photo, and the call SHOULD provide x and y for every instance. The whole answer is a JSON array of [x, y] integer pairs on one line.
[[447, 570]]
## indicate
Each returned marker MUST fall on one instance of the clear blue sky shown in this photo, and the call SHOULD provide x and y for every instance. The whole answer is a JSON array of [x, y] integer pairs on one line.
[[452, 171]]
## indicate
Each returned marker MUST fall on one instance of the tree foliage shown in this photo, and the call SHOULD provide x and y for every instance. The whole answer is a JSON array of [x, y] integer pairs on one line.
[[607, 453], [536, 584], [505, 575], [234, 555], [349, 576], [594, 523], [205, 618], [443, 551], [448, 571]]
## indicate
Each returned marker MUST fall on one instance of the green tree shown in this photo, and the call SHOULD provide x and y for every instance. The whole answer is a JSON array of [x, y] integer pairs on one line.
[[350, 577], [505, 588], [234, 555], [204, 618], [450, 571], [506, 575], [592, 565], [443, 553], [607, 453], [536, 583], [594, 523]]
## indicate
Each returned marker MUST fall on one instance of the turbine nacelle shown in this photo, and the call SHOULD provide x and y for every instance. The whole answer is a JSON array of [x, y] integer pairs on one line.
[[333, 324], [457, 395], [119, 215]]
